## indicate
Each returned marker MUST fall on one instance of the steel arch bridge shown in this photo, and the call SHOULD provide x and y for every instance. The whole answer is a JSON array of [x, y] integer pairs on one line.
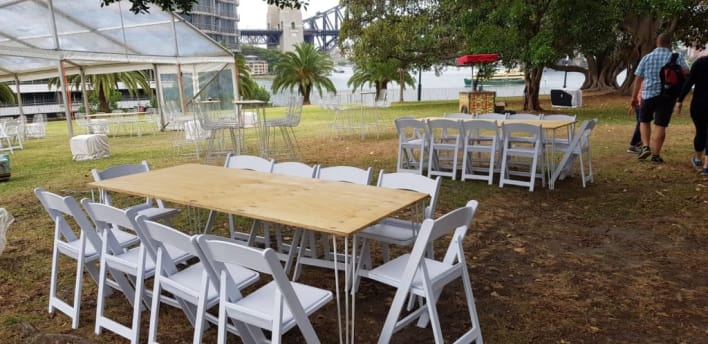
[[321, 30]]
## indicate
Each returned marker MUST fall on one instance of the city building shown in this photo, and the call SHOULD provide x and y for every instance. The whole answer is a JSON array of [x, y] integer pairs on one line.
[[218, 19], [256, 66]]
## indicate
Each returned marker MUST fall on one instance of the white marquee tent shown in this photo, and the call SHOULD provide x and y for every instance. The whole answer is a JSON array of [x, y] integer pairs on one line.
[[48, 38]]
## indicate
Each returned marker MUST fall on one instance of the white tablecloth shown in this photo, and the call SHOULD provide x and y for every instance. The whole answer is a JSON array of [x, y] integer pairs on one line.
[[89, 147]]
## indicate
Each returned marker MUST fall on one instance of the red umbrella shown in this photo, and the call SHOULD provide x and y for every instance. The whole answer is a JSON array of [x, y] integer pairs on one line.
[[472, 59], [477, 58]]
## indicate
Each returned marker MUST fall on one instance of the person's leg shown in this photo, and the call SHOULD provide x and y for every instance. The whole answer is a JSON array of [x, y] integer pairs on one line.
[[646, 115], [664, 108], [635, 144], [700, 140], [657, 139]]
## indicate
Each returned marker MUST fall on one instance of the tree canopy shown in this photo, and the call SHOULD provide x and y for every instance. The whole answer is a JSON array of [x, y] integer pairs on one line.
[[306, 68], [143, 6], [612, 35]]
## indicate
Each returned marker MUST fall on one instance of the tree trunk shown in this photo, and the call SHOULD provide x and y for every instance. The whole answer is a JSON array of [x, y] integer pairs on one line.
[[103, 103], [305, 91], [532, 78], [401, 82]]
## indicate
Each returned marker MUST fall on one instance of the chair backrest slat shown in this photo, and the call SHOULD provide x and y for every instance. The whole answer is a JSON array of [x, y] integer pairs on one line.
[[348, 174], [295, 169], [249, 162], [413, 182]]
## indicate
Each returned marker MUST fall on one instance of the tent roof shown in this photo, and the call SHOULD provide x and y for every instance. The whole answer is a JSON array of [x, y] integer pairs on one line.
[[99, 39]]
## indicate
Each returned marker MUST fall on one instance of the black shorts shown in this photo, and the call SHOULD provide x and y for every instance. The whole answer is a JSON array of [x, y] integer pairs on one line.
[[657, 108]]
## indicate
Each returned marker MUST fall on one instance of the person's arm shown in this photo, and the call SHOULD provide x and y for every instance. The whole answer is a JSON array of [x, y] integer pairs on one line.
[[638, 80]]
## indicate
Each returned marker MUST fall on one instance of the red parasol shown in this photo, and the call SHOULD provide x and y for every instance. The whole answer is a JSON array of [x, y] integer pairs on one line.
[[477, 58]]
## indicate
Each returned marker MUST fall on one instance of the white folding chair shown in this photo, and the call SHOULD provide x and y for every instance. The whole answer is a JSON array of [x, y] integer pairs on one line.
[[413, 143], [571, 128], [578, 148], [66, 213], [444, 148], [395, 231], [522, 154], [146, 208], [524, 116], [134, 263], [240, 162], [481, 146], [491, 115], [459, 115], [344, 174], [188, 288], [294, 169], [418, 275], [277, 306]]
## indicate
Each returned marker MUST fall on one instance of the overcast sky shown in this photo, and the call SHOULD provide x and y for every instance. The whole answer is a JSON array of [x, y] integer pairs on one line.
[[253, 12]]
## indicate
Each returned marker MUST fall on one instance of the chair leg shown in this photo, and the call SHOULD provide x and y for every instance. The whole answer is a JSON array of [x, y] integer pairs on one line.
[[78, 287], [55, 273], [155, 308]]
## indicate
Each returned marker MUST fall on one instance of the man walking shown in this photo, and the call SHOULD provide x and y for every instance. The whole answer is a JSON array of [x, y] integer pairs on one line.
[[655, 106]]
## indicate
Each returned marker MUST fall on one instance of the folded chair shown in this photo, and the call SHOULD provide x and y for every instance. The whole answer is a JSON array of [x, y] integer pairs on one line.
[[277, 306], [417, 275], [577, 149]]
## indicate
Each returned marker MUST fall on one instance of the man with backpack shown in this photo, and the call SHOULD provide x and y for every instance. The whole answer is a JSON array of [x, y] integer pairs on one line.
[[659, 70]]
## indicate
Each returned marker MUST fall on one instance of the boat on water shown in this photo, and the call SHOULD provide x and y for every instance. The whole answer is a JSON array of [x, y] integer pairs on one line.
[[511, 76]]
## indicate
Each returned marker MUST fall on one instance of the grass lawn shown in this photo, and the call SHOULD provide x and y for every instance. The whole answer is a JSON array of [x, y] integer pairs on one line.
[[621, 261]]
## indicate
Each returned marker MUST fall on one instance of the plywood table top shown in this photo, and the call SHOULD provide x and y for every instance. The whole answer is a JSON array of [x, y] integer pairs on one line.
[[324, 206], [545, 124]]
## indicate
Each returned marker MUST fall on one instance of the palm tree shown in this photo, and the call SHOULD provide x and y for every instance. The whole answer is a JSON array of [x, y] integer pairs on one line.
[[105, 84], [305, 68], [6, 94], [379, 74]]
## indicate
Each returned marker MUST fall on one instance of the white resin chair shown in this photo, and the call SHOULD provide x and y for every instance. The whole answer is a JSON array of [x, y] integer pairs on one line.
[[277, 306], [491, 115], [85, 248], [418, 275], [396, 231], [481, 146], [578, 149], [445, 145], [413, 144], [344, 174], [571, 128], [241, 162], [188, 288], [524, 116], [145, 208], [294, 169], [135, 264], [14, 134], [459, 115], [522, 155]]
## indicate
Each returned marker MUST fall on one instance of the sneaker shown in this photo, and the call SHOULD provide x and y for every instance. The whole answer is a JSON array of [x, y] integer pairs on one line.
[[644, 153], [634, 149], [657, 159], [697, 164]]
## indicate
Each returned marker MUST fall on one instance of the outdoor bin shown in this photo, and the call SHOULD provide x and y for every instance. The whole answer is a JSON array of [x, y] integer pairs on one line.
[[4, 167]]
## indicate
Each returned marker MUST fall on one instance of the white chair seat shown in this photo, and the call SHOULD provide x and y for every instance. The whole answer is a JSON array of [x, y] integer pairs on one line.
[[190, 278], [392, 231], [72, 250], [124, 238], [391, 272], [158, 213], [260, 303]]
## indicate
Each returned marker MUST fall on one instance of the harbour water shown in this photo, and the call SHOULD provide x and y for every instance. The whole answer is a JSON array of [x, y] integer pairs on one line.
[[445, 86]]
